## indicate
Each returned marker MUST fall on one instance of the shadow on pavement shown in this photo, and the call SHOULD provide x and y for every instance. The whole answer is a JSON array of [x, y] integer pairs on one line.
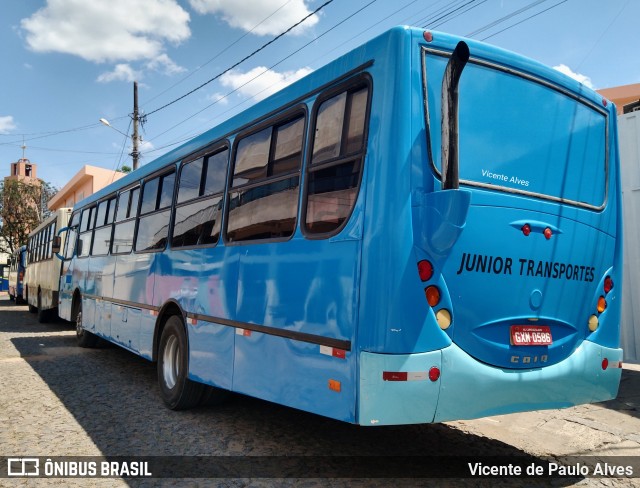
[[628, 399], [113, 395]]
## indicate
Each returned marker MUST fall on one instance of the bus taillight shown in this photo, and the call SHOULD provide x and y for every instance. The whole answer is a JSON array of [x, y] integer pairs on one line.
[[602, 304], [548, 232], [428, 36], [443, 317], [526, 229], [608, 284], [425, 268], [433, 295]]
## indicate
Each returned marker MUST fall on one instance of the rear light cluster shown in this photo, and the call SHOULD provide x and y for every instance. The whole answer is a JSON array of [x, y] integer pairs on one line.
[[526, 230], [602, 304], [433, 295]]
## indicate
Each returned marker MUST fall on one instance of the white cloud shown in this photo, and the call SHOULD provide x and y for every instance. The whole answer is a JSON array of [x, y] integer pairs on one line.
[[585, 80], [261, 82], [6, 124], [121, 72], [114, 30], [219, 98], [165, 64], [245, 14]]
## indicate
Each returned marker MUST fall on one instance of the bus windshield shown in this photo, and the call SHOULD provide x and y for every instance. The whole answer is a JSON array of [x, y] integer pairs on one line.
[[513, 135]]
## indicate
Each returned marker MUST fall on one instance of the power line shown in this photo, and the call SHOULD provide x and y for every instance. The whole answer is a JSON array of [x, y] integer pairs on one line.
[[524, 20], [220, 52], [444, 21], [243, 59], [270, 68]]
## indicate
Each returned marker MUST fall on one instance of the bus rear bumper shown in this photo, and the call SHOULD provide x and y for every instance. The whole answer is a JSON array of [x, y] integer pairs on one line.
[[470, 389]]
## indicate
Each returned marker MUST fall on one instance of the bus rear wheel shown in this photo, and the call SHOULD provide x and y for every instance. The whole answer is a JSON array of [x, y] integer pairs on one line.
[[84, 338], [178, 392]]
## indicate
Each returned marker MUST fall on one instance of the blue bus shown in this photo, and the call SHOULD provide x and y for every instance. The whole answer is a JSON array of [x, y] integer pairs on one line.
[[425, 229], [17, 266]]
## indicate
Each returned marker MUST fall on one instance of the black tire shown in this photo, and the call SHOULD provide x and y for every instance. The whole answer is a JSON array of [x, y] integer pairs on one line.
[[177, 391], [84, 338], [43, 315]]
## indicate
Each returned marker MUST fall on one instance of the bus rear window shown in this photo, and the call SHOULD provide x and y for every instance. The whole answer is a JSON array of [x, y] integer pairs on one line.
[[520, 134]]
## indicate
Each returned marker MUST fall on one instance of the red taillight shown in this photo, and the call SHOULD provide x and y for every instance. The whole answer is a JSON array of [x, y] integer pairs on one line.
[[526, 229], [428, 36], [425, 268], [604, 102], [433, 295], [605, 363], [548, 233], [434, 374], [608, 284]]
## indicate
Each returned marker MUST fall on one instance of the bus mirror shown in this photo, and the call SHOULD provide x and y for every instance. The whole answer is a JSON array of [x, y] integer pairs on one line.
[[449, 163], [57, 240]]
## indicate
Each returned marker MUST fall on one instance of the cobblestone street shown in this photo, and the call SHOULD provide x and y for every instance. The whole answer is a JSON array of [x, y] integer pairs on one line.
[[60, 400]]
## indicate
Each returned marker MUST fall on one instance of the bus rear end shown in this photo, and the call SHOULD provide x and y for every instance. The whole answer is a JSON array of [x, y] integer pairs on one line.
[[520, 258]]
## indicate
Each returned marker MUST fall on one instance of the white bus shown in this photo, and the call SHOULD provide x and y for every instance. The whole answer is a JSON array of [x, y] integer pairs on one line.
[[42, 277]]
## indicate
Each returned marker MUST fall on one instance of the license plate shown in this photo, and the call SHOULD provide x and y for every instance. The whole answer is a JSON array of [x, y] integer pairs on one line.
[[531, 335]]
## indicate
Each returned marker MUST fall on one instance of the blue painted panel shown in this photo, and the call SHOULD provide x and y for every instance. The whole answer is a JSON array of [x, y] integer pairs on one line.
[[211, 351], [398, 402], [295, 374], [471, 389]]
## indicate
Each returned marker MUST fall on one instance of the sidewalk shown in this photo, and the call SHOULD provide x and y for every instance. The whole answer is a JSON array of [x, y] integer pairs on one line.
[[603, 429]]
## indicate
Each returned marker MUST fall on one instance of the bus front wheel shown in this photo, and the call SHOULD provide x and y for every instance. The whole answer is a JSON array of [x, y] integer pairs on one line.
[[178, 392]]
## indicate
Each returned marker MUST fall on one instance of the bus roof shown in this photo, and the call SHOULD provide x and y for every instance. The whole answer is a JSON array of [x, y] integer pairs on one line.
[[353, 61]]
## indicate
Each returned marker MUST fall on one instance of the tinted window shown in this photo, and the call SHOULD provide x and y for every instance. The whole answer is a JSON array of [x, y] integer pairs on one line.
[[198, 223], [190, 176], [152, 232], [263, 204], [252, 157], [334, 175]]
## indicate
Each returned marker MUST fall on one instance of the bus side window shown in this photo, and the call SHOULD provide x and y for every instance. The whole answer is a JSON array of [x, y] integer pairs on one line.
[[102, 232], [71, 237], [200, 192], [263, 201], [155, 210], [87, 221], [127, 210], [336, 164]]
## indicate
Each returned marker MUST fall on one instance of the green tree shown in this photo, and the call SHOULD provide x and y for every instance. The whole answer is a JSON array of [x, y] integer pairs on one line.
[[125, 169], [23, 206]]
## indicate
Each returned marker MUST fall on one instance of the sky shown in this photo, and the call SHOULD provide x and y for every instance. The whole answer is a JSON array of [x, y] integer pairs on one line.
[[68, 63]]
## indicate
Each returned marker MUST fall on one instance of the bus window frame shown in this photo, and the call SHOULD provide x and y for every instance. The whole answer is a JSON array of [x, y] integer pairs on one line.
[[171, 168], [361, 80], [131, 188], [212, 150], [288, 114], [96, 227]]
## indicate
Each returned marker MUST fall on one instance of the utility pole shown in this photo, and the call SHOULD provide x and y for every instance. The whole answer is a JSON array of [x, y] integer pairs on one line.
[[134, 137]]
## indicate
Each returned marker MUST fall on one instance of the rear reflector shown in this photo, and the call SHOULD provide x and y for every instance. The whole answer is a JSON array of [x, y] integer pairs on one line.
[[434, 374], [332, 351], [335, 385], [405, 376]]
